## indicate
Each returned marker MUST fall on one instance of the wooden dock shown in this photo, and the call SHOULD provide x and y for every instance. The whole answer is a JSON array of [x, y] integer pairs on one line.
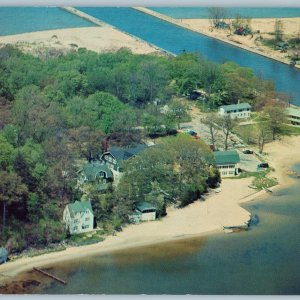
[[50, 275]]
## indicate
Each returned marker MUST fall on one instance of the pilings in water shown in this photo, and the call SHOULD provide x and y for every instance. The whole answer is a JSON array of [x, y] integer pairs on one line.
[[50, 275]]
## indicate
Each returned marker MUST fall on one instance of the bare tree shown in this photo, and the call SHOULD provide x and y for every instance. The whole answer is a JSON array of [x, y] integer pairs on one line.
[[227, 124], [211, 120], [217, 14], [263, 135]]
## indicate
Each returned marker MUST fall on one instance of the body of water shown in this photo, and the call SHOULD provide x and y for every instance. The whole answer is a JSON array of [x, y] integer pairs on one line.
[[264, 260], [177, 39], [250, 12], [15, 20]]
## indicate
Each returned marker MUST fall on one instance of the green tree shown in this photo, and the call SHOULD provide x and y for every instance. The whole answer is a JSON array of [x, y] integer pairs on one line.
[[6, 153], [12, 190]]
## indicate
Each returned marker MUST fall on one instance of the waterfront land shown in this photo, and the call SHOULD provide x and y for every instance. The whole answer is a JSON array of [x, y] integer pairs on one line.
[[98, 39], [200, 218], [252, 43]]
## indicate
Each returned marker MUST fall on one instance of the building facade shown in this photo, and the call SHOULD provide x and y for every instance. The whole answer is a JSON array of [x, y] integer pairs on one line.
[[236, 111], [227, 162], [293, 116], [78, 217]]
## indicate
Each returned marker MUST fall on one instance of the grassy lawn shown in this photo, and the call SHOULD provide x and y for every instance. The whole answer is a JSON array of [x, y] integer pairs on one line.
[[86, 238], [290, 130], [260, 179]]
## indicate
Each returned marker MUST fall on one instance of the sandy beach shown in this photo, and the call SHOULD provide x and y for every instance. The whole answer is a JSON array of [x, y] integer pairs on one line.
[[98, 39], [200, 218]]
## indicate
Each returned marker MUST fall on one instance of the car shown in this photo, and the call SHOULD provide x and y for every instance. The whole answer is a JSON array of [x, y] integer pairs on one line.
[[263, 166], [193, 133], [247, 151]]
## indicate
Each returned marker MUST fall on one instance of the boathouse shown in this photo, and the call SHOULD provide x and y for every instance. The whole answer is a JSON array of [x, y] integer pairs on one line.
[[227, 162], [239, 111], [146, 211]]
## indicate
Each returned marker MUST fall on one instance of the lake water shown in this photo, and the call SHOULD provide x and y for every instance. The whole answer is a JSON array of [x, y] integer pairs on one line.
[[251, 12], [176, 39], [14, 20], [263, 260]]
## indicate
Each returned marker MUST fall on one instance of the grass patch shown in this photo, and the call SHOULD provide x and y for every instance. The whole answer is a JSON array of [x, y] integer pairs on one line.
[[290, 130], [86, 238], [260, 179]]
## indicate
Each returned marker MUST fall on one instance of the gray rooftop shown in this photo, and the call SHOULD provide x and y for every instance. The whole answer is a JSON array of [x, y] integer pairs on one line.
[[231, 107], [91, 170], [141, 206], [293, 112]]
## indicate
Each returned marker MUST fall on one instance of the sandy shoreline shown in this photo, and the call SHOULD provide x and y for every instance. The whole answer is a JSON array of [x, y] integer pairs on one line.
[[98, 39], [291, 25], [200, 218]]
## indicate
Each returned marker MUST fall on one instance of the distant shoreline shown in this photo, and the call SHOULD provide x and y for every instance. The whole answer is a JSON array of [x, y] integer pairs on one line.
[[190, 27]]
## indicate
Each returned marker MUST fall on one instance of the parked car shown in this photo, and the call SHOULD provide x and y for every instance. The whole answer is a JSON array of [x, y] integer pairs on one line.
[[247, 151], [193, 133], [263, 166]]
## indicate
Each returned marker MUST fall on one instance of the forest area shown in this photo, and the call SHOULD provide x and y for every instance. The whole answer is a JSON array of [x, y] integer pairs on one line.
[[56, 112]]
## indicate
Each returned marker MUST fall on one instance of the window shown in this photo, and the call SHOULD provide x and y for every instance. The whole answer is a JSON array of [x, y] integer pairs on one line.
[[75, 228], [87, 219], [85, 226]]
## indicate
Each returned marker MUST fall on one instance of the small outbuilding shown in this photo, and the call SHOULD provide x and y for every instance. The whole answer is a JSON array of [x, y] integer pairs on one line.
[[3, 255], [146, 211]]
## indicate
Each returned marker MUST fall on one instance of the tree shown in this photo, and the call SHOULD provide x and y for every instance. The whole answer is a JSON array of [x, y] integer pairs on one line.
[[177, 112], [262, 135], [227, 124], [211, 120], [278, 30], [276, 117], [217, 14], [6, 153], [12, 190]]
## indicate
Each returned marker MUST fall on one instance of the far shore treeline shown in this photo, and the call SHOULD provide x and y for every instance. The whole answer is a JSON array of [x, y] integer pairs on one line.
[[57, 111]]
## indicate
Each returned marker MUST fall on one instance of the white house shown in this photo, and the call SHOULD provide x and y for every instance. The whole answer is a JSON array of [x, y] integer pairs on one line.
[[227, 162], [240, 110], [78, 217]]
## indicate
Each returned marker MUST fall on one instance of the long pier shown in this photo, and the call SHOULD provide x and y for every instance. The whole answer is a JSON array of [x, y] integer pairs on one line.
[[50, 275]]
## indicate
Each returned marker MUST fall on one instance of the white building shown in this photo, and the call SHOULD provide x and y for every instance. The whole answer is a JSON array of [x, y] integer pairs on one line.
[[78, 217], [293, 116], [240, 111], [227, 162]]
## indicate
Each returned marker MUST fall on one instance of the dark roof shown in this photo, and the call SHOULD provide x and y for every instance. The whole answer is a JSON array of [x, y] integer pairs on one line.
[[121, 154], [92, 169], [226, 157], [79, 206], [141, 206], [235, 106]]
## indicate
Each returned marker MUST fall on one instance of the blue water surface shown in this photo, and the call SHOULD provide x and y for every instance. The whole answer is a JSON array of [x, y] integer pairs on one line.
[[15, 20], [176, 39], [251, 12]]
